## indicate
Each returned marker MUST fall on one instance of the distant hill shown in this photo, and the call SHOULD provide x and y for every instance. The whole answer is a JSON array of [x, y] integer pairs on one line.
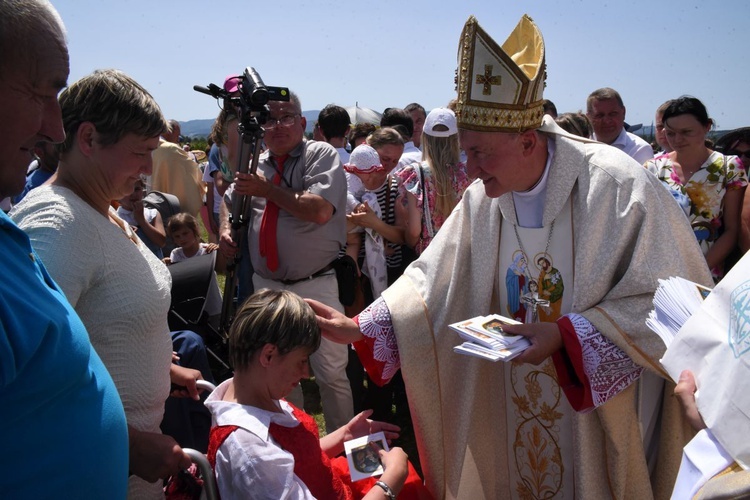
[[201, 128], [196, 128]]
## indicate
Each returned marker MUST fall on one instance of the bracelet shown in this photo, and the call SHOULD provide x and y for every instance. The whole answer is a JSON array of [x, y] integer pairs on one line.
[[388, 491]]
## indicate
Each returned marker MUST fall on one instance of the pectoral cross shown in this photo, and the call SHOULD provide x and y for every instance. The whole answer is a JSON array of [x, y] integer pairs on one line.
[[487, 79], [533, 301]]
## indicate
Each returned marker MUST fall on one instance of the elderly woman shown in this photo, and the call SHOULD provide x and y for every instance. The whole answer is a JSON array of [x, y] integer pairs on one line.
[[713, 183], [116, 284]]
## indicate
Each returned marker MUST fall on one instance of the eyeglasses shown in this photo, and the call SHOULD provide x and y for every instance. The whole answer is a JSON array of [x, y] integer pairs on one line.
[[284, 121]]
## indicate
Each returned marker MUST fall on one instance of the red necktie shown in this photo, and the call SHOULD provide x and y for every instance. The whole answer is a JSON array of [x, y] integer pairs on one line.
[[267, 237]]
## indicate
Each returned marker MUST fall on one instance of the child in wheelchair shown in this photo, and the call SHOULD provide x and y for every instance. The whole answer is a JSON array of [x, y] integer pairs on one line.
[[262, 444]]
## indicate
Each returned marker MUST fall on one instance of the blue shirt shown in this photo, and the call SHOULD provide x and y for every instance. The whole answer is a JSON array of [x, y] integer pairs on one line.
[[33, 180], [62, 424]]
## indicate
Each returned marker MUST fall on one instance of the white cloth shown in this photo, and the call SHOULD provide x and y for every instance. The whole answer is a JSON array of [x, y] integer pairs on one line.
[[714, 343], [633, 146], [374, 265], [343, 155], [702, 459], [354, 191], [530, 204], [250, 464], [120, 290], [127, 215], [411, 154]]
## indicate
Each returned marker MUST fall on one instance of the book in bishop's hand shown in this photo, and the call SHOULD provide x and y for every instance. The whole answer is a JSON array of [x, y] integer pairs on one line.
[[675, 301], [485, 338]]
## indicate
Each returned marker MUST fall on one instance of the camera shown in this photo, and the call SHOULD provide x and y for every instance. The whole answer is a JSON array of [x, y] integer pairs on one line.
[[254, 94]]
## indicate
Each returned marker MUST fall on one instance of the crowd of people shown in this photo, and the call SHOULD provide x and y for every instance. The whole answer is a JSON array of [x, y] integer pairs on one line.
[[490, 204]]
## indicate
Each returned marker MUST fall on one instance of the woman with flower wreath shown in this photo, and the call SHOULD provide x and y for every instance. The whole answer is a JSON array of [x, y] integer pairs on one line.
[[713, 182]]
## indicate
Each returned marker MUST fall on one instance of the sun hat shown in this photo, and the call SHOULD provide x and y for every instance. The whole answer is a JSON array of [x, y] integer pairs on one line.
[[440, 116], [364, 160]]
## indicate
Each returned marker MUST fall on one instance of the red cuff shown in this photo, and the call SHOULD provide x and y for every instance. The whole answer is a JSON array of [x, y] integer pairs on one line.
[[569, 367], [365, 352]]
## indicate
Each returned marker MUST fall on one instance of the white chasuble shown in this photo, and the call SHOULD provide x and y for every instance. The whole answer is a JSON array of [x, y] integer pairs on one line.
[[535, 283]]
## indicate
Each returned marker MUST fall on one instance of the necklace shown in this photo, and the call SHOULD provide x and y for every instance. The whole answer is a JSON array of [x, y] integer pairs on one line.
[[546, 248]]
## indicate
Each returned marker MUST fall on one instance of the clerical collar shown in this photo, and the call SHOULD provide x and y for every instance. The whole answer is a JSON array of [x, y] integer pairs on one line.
[[530, 204]]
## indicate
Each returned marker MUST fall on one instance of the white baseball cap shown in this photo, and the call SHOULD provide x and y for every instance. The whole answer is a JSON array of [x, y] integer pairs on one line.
[[440, 116]]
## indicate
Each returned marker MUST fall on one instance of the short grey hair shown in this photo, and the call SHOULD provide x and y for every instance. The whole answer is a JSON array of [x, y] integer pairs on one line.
[[115, 103], [294, 99], [20, 24]]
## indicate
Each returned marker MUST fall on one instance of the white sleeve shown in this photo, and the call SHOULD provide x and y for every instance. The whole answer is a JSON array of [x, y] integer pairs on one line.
[[176, 255], [248, 466]]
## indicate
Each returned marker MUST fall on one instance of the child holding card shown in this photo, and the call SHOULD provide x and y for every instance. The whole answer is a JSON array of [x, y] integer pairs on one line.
[[264, 446]]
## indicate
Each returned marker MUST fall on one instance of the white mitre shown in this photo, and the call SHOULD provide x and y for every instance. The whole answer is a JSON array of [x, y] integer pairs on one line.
[[500, 88]]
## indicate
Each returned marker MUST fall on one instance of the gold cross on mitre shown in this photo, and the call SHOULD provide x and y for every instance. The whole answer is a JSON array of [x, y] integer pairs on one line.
[[487, 79]]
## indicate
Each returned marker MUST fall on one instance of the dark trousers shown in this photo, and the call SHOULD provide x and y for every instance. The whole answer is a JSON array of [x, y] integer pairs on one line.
[[185, 419]]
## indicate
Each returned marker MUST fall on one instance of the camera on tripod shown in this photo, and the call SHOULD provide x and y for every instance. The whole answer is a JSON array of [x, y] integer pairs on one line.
[[250, 103]]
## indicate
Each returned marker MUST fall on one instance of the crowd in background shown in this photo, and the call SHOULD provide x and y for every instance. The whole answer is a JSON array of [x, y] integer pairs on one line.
[[373, 193]]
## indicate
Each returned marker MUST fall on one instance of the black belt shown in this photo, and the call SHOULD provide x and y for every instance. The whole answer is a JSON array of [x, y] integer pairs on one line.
[[314, 275]]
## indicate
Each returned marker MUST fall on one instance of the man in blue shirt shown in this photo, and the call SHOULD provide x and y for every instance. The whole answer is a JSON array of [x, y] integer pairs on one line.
[[57, 399]]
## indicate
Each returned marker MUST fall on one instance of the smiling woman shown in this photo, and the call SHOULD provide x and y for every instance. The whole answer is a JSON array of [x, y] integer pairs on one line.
[[713, 183], [118, 287]]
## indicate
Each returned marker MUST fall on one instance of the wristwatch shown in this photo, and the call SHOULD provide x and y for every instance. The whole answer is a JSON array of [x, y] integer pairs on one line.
[[388, 491]]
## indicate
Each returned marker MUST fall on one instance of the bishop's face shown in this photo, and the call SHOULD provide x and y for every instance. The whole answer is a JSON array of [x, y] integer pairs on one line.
[[500, 160]]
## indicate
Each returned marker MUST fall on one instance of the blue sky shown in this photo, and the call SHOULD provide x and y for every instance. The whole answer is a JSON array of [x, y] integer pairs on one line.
[[390, 53]]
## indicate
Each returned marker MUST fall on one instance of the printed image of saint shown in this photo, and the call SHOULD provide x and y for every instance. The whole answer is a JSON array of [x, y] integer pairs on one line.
[[516, 284], [551, 288]]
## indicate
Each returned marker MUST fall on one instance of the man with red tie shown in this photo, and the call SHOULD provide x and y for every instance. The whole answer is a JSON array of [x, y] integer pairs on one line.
[[297, 229]]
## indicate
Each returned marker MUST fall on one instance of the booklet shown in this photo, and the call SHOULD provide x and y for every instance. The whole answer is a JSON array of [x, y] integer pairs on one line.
[[485, 338], [675, 301], [504, 354], [362, 455]]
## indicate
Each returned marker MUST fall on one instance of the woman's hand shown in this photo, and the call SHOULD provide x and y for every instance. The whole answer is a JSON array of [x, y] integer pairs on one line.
[[334, 325], [185, 377], [360, 426], [155, 456], [363, 216]]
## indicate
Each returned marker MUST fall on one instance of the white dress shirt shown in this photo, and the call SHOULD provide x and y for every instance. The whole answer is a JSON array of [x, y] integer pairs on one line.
[[250, 464], [633, 146]]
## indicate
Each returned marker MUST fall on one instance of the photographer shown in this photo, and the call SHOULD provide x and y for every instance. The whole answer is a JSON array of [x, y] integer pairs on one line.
[[296, 231]]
